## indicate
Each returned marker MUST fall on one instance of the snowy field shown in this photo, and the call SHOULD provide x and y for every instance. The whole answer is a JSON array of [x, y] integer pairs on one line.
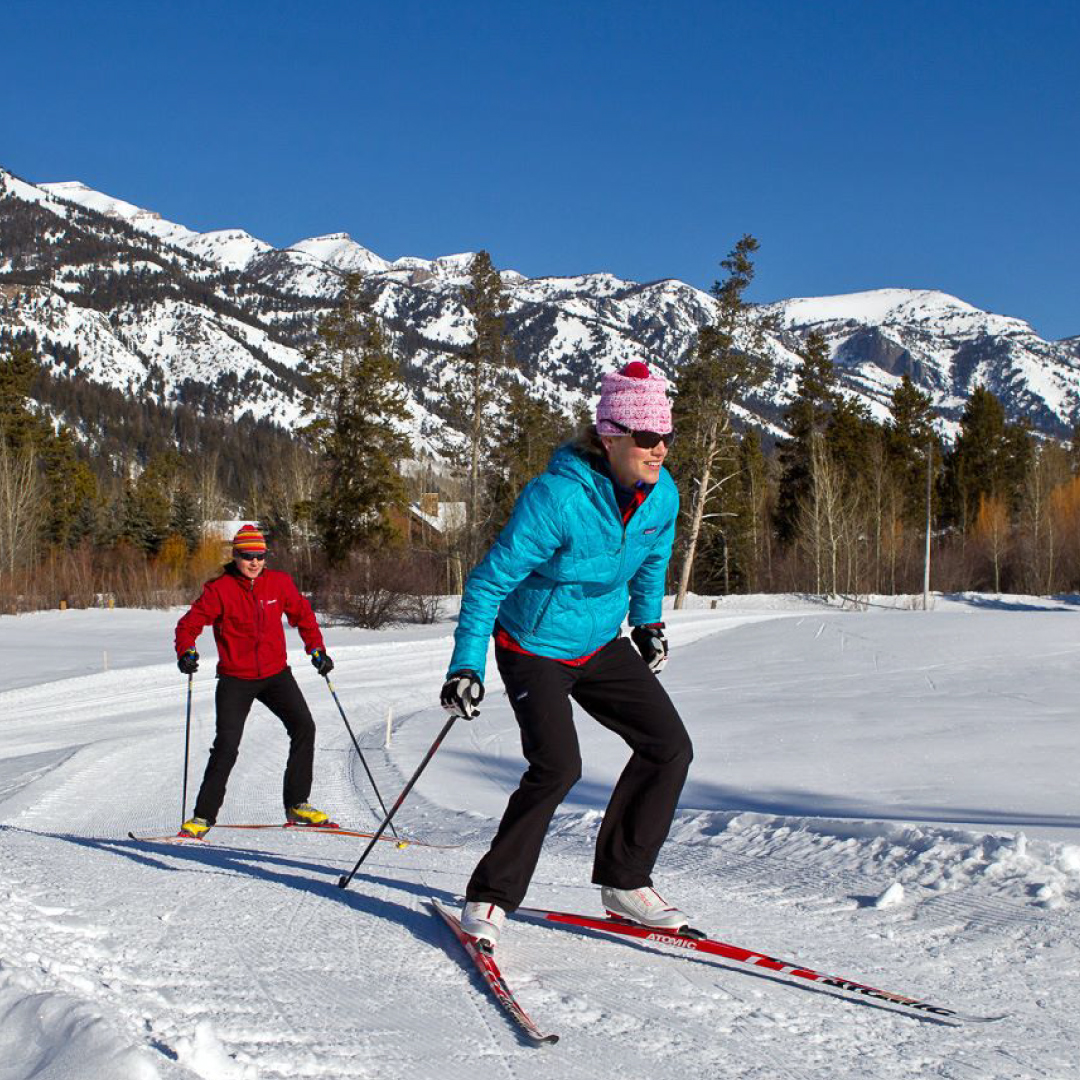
[[887, 795]]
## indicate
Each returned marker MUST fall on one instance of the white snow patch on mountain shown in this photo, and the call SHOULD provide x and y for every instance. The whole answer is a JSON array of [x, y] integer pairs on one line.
[[341, 251], [146, 221], [231, 248]]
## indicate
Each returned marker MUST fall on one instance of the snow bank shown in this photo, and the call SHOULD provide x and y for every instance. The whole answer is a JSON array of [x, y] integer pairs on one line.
[[922, 859], [49, 1035]]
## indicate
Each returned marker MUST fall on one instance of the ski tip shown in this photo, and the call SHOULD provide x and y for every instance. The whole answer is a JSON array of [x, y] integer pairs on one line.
[[546, 1040], [964, 1019]]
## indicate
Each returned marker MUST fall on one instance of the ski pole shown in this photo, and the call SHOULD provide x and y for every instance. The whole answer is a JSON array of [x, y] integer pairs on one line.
[[360, 753], [343, 881], [187, 746]]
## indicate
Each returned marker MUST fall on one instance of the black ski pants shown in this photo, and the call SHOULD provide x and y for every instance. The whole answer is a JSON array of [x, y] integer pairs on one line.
[[618, 690], [234, 698]]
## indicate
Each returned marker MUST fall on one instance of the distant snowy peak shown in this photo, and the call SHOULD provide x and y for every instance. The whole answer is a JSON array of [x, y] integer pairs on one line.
[[12, 186], [146, 221], [232, 248], [884, 307], [340, 250], [446, 269]]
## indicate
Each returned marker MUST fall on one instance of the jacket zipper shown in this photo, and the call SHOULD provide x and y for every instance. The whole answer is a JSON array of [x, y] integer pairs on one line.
[[258, 628]]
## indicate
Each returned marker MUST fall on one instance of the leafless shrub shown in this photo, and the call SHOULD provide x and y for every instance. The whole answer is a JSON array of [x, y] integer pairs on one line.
[[385, 588]]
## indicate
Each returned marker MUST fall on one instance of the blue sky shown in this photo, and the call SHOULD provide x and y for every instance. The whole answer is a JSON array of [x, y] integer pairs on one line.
[[916, 144]]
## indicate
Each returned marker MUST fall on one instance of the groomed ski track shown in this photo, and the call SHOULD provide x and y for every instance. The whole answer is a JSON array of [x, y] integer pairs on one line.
[[242, 958]]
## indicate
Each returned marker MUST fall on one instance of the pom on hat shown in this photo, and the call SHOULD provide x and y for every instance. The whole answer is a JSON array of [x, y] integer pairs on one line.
[[249, 539], [635, 399]]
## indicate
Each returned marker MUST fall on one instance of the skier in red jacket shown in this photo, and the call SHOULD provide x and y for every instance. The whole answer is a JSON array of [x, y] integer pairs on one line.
[[245, 604]]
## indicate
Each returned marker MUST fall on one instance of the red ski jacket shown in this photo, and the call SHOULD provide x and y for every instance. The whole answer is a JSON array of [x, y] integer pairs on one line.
[[246, 616]]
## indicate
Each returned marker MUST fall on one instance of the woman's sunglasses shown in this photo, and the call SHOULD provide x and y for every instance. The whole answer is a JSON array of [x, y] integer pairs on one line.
[[644, 440], [252, 556]]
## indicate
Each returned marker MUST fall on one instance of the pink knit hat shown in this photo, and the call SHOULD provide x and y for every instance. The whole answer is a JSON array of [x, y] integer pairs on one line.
[[634, 398]]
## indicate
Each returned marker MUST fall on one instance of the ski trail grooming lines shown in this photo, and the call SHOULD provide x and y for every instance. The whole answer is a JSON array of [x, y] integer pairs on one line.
[[493, 979], [359, 752], [688, 942], [343, 881]]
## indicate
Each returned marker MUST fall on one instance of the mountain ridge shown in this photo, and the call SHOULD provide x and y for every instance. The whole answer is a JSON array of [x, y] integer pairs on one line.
[[153, 307]]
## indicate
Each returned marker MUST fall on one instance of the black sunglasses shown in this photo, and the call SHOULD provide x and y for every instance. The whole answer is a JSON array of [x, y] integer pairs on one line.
[[645, 440], [252, 556]]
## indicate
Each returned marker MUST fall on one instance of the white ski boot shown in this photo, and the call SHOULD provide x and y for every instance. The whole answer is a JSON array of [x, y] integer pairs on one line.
[[483, 921], [645, 906]]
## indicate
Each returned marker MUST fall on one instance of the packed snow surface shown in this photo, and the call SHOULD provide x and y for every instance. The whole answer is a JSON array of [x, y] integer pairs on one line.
[[883, 794]]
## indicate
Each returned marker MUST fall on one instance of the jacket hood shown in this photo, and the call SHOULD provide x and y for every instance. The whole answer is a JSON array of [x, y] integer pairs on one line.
[[571, 464]]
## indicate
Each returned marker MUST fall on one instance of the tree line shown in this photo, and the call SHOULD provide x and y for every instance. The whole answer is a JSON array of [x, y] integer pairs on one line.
[[841, 502]]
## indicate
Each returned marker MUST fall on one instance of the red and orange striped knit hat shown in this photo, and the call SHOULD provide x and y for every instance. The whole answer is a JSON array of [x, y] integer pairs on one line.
[[249, 539]]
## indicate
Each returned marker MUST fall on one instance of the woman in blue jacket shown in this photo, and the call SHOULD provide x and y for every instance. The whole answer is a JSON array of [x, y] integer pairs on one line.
[[588, 542]]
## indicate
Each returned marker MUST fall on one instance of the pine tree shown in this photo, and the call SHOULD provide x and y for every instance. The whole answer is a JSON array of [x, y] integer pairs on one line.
[[136, 525], [361, 405], [69, 486], [909, 438], [184, 520], [750, 523], [806, 418], [988, 460], [477, 388], [19, 425], [730, 357]]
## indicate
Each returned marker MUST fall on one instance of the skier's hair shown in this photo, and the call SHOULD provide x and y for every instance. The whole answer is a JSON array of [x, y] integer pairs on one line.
[[587, 442]]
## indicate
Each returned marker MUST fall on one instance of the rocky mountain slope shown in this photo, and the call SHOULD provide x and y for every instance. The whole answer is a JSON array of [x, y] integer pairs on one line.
[[114, 294]]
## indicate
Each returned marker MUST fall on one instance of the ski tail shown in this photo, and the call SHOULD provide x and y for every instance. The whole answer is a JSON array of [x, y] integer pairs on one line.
[[691, 943], [493, 978], [171, 838]]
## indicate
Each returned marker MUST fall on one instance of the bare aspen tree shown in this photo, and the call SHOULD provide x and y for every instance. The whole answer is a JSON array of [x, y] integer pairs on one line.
[[208, 493], [20, 504]]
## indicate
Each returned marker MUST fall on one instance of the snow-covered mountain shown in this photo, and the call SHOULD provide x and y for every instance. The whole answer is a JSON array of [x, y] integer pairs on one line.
[[946, 346], [123, 297]]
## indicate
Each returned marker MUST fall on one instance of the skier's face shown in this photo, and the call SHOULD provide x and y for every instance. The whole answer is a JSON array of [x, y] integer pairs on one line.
[[631, 464], [250, 564]]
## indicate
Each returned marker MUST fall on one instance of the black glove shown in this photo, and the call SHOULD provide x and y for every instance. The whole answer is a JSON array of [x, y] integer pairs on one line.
[[188, 661], [321, 662], [461, 693], [652, 645]]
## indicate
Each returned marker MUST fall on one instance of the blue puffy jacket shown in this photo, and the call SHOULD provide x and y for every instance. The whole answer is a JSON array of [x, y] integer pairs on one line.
[[563, 573]]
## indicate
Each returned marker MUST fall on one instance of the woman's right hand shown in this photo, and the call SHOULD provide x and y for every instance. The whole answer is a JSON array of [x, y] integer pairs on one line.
[[461, 693]]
